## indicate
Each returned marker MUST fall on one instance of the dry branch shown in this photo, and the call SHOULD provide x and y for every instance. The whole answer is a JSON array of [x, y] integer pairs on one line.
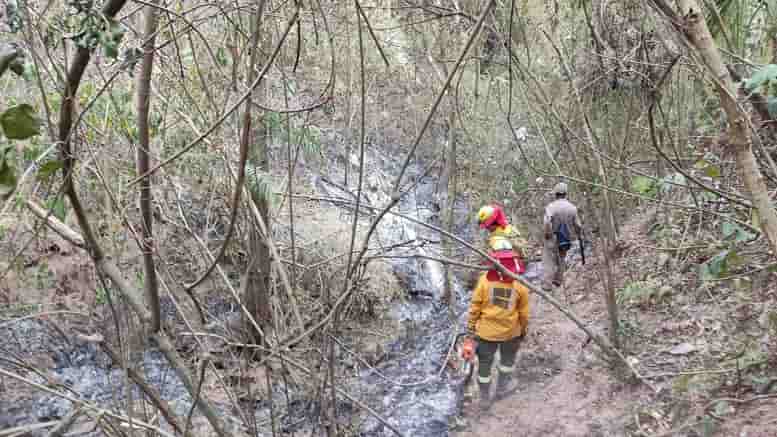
[[150, 391], [65, 423], [55, 224]]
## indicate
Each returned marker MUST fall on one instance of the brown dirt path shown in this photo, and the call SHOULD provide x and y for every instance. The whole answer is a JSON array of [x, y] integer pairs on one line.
[[567, 389]]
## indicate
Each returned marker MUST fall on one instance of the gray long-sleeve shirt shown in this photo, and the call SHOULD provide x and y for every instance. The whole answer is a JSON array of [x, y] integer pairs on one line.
[[562, 211]]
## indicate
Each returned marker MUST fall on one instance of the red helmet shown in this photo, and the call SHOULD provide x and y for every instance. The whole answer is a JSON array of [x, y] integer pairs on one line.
[[491, 215]]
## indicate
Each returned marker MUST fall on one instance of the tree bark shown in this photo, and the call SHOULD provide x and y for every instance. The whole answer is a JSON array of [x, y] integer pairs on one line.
[[257, 275], [609, 288], [740, 140], [143, 103]]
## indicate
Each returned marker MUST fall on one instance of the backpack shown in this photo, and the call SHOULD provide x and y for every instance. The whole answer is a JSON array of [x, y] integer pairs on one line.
[[562, 237]]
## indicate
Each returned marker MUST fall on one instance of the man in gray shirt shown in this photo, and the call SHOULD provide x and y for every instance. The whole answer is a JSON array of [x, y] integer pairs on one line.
[[560, 218]]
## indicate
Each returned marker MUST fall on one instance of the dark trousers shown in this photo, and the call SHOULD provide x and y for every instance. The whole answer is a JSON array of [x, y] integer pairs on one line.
[[487, 350]]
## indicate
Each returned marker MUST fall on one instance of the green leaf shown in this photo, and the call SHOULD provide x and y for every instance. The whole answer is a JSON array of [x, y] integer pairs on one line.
[[733, 260], [700, 164], [49, 168], [110, 39], [57, 206], [32, 151], [221, 56], [28, 71], [715, 267], [20, 122], [728, 229], [642, 184], [740, 234], [743, 235], [765, 74], [7, 177], [712, 171], [111, 49]]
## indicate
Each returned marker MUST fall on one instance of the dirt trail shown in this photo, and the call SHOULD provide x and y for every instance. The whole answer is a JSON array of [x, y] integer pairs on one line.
[[567, 390]]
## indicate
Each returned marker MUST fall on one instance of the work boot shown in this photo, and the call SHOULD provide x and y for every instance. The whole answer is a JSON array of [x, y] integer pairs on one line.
[[505, 386], [485, 395]]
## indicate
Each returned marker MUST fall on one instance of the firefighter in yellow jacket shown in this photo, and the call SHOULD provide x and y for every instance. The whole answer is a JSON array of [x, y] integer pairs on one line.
[[501, 234], [498, 318]]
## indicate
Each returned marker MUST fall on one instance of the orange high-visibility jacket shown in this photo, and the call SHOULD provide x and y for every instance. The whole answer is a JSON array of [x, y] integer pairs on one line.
[[499, 311]]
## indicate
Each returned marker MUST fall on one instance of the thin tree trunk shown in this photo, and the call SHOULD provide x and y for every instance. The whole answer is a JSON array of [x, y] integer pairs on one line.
[[348, 100], [143, 103], [609, 286], [450, 203], [740, 141], [257, 276], [449, 178]]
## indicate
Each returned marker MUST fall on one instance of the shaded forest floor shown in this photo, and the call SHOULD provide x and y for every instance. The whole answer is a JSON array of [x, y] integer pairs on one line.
[[711, 359]]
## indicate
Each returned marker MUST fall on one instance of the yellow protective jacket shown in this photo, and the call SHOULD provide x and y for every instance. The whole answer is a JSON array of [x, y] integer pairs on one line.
[[499, 311], [498, 239]]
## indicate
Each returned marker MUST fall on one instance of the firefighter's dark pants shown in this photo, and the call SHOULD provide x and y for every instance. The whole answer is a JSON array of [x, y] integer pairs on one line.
[[486, 351]]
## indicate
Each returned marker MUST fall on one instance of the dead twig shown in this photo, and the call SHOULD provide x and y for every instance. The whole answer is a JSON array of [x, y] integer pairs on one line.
[[372, 34], [27, 429], [712, 403], [55, 224], [203, 367], [696, 372], [41, 315], [741, 275]]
